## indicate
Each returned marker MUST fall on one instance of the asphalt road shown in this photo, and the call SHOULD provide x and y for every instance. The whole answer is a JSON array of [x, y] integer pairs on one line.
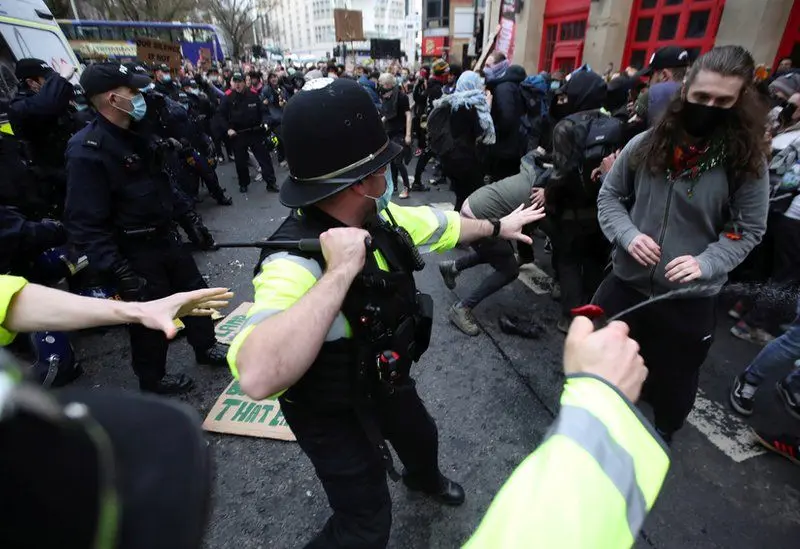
[[493, 397]]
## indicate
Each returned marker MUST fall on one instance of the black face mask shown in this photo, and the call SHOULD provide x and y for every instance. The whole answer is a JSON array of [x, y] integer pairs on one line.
[[702, 120], [559, 110]]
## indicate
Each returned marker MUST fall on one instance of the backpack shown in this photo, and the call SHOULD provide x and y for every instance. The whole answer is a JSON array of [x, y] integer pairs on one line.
[[440, 138], [580, 142], [533, 91]]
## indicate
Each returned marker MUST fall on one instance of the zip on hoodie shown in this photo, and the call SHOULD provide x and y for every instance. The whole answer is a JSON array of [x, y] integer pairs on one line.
[[661, 237]]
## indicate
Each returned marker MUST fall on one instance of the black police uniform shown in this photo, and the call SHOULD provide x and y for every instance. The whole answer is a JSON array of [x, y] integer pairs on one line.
[[341, 403], [119, 212], [245, 114], [196, 161], [41, 121], [358, 393]]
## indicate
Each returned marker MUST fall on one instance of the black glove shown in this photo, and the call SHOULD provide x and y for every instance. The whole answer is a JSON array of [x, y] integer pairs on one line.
[[195, 229], [50, 233], [131, 286]]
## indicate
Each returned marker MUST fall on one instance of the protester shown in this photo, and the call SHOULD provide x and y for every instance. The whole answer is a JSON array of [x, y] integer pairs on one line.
[[502, 158], [684, 204], [667, 70], [396, 116], [471, 128]]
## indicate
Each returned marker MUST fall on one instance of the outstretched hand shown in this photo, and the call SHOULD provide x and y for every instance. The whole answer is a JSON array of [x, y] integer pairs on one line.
[[512, 224], [160, 314]]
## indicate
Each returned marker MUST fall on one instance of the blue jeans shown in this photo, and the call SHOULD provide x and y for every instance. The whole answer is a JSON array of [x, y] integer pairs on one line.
[[779, 353]]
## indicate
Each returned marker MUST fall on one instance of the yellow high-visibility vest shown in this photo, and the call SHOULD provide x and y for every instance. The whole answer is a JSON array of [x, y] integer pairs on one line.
[[589, 484], [9, 287]]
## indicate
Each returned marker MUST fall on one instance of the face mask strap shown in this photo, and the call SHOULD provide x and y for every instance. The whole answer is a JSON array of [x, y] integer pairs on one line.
[[130, 100]]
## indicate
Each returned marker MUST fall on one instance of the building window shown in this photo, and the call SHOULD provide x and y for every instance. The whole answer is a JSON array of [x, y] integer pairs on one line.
[[569, 30], [691, 24], [436, 14]]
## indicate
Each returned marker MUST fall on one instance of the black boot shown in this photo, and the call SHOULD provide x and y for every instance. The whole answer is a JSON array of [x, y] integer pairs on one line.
[[223, 199], [216, 355], [242, 189], [446, 491], [168, 385], [272, 187]]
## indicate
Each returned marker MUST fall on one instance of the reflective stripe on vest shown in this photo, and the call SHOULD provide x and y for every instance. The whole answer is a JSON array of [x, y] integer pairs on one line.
[[588, 432]]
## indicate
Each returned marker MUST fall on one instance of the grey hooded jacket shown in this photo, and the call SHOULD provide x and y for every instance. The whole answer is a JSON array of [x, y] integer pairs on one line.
[[635, 202]]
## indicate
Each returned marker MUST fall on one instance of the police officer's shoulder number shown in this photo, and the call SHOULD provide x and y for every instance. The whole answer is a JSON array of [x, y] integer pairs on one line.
[[93, 139]]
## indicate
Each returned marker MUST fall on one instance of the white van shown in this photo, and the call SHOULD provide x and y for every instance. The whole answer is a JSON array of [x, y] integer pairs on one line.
[[28, 29]]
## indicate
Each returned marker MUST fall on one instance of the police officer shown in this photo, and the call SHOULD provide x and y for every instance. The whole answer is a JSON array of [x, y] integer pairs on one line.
[[40, 119], [170, 119], [119, 213], [163, 81], [344, 377], [244, 114]]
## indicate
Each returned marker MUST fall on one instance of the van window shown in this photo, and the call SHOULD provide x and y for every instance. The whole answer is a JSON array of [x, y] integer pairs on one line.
[[39, 43], [8, 82]]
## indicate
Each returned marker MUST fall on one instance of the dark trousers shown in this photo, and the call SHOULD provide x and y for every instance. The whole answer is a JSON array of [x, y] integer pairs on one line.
[[198, 168], [497, 253], [223, 141], [464, 183], [350, 469], [422, 162], [674, 337], [580, 252], [422, 134], [256, 142], [168, 268], [499, 168], [398, 167]]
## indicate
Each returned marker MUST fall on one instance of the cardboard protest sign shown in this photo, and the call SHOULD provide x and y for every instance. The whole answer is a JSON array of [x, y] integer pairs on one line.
[[234, 412], [228, 328], [154, 52], [237, 414]]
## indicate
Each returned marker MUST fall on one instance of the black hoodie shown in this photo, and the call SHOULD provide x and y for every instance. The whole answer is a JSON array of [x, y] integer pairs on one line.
[[507, 108], [586, 94], [585, 91]]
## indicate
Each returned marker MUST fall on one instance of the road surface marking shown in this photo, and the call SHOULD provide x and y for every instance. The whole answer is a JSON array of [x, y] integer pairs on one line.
[[725, 431], [536, 279], [722, 428]]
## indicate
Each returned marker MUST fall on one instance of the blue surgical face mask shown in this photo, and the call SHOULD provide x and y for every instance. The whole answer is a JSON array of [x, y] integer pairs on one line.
[[138, 106], [79, 107], [555, 84], [382, 202], [166, 79]]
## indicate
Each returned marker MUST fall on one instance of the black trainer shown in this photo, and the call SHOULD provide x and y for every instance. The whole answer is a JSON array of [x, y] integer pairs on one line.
[[272, 188], [449, 273], [242, 189], [224, 200], [216, 355], [791, 400], [170, 384], [446, 491], [742, 395]]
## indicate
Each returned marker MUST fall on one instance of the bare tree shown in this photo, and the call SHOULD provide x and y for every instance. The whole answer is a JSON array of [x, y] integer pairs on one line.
[[143, 10], [235, 19], [59, 8]]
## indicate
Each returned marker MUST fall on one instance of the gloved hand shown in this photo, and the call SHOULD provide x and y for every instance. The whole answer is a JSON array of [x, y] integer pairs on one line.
[[131, 286], [175, 144], [50, 233], [195, 229]]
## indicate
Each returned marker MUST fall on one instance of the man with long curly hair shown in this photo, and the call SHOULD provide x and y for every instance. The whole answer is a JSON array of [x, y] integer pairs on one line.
[[683, 205]]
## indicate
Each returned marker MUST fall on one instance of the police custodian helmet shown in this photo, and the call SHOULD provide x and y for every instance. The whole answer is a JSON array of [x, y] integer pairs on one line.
[[333, 137]]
